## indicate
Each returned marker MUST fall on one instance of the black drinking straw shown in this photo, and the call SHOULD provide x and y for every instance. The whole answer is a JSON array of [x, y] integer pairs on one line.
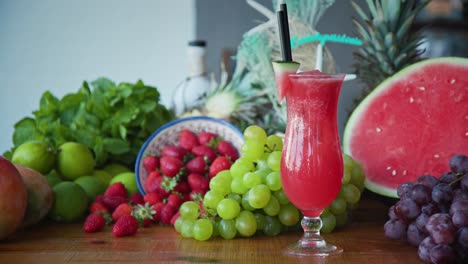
[[284, 8], [283, 26]]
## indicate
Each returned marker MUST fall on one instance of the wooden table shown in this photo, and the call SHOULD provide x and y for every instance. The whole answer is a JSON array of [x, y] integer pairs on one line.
[[363, 241]]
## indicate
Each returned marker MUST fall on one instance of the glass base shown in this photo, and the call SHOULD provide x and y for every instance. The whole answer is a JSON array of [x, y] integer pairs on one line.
[[313, 248], [312, 243]]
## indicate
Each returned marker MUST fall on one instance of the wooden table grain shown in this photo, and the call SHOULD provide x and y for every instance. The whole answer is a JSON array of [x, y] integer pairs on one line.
[[363, 241]]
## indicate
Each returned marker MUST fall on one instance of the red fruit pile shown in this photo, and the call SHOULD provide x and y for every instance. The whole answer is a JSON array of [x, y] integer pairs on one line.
[[126, 213], [183, 171]]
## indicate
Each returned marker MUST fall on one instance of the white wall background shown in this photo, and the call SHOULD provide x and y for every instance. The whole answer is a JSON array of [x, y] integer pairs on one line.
[[56, 44]]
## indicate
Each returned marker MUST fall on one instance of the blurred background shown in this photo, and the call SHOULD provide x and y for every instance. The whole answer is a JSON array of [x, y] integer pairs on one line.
[[55, 44]]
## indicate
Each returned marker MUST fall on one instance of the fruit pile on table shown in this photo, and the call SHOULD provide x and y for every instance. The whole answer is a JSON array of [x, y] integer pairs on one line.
[[405, 140], [432, 214]]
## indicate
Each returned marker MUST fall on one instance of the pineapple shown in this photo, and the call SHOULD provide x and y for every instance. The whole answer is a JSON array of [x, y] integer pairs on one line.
[[388, 43], [250, 97], [241, 107], [241, 101]]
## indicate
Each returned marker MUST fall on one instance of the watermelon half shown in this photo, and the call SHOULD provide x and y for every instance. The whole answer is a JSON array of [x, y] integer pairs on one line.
[[411, 124]]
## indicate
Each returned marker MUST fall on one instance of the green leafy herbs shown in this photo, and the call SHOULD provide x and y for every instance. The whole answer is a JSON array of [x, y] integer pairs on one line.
[[112, 120]]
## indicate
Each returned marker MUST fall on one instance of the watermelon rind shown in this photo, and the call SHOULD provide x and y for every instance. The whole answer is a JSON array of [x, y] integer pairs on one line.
[[382, 87], [280, 68], [285, 66]]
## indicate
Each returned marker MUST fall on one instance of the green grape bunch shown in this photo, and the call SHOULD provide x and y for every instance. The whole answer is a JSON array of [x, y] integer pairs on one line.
[[248, 198], [352, 185]]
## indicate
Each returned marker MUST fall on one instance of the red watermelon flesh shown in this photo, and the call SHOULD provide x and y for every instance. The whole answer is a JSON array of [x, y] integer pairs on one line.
[[282, 69], [411, 124]]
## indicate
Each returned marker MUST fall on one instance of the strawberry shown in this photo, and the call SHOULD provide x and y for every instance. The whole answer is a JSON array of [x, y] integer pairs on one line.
[[111, 202], [99, 198], [188, 139], [174, 200], [225, 148], [197, 165], [147, 223], [219, 164], [166, 214], [136, 199], [97, 207], [174, 151], [151, 163], [204, 151], [174, 217], [182, 187], [116, 189], [160, 184], [186, 197], [121, 210], [170, 166], [152, 181], [152, 198], [203, 212], [196, 196], [198, 182], [205, 137], [166, 186], [94, 223], [144, 214], [126, 226], [158, 208]]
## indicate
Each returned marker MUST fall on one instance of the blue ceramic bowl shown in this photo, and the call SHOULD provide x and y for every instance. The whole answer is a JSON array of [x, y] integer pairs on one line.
[[168, 134]]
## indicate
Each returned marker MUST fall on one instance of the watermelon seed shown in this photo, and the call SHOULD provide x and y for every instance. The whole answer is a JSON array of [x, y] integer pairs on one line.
[[389, 168], [393, 172], [411, 99], [436, 156], [378, 129], [422, 88], [404, 172], [452, 81]]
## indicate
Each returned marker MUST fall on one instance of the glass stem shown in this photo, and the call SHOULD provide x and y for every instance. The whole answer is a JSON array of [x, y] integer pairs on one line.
[[312, 237]]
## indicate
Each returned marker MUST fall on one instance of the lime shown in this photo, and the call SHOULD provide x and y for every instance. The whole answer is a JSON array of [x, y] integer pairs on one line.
[[103, 175], [115, 169], [91, 185], [74, 160], [128, 180], [35, 155], [70, 202], [52, 179]]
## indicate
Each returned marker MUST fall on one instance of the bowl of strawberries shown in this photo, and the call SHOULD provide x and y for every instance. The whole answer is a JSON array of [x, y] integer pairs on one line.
[[183, 155]]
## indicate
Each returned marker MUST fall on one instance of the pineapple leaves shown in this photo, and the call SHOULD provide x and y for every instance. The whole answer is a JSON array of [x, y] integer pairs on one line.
[[361, 31], [371, 5], [308, 11], [403, 30], [389, 44], [390, 39], [391, 10], [359, 11]]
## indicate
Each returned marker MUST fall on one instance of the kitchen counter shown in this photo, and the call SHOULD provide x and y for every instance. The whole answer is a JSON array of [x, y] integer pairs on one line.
[[363, 241]]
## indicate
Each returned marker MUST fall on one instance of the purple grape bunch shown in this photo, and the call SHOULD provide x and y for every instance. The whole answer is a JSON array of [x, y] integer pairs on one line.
[[432, 214]]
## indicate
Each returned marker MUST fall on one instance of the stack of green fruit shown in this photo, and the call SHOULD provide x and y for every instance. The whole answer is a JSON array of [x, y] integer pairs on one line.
[[101, 125], [352, 185], [248, 198], [71, 172], [113, 120]]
